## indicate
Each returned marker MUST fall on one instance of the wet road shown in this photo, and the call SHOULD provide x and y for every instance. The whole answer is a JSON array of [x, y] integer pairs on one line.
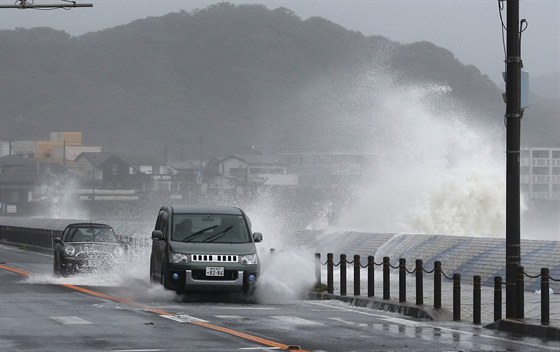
[[124, 312]]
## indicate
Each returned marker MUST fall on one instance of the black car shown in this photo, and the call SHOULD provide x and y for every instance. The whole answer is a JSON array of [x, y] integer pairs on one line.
[[85, 247], [204, 248]]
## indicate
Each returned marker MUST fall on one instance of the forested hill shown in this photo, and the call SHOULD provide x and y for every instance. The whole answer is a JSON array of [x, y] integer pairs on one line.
[[223, 78]]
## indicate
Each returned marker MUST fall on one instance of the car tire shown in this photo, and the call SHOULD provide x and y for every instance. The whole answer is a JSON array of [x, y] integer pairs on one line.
[[162, 279], [56, 267], [153, 278], [249, 292]]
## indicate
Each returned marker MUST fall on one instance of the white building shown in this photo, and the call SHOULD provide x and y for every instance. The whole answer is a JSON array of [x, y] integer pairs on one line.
[[540, 173], [255, 170]]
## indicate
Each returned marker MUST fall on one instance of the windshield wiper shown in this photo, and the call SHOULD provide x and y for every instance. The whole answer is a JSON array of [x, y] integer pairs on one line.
[[218, 235], [198, 233]]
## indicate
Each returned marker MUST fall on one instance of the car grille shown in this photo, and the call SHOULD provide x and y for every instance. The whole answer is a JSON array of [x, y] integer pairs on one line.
[[198, 274], [216, 258], [94, 255]]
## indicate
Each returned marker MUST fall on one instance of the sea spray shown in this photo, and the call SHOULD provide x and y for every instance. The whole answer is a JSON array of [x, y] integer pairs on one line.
[[425, 144], [287, 268], [63, 199], [286, 276]]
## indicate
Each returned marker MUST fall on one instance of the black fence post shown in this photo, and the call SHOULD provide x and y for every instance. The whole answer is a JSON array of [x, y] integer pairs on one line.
[[437, 284], [371, 276], [330, 273], [317, 270], [386, 278], [343, 274], [476, 299], [456, 297], [497, 298], [357, 267], [520, 293], [419, 282], [545, 297], [402, 280]]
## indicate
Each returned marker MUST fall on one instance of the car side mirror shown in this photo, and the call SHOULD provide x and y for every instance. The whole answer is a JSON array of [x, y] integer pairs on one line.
[[57, 240], [257, 237], [157, 235]]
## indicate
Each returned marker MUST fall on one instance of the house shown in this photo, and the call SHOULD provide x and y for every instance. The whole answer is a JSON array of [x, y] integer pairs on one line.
[[137, 171], [242, 171], [62, 148], [87, 164], [25, 181]]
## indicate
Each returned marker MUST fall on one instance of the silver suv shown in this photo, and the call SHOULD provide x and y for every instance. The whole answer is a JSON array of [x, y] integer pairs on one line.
[[198, 248]]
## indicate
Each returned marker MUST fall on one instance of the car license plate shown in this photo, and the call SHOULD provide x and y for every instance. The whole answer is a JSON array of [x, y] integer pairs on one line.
[[214, 271]]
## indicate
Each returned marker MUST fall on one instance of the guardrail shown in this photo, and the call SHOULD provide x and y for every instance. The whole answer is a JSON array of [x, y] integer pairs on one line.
[[26, 233], [419, 272], [34, 237]]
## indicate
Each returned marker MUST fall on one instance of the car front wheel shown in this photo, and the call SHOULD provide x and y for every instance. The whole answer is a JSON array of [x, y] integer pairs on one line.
[[163, 281], [56, 268], [153, 278]]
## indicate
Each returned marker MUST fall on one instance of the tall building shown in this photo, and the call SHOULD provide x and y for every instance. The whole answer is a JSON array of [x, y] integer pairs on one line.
[[540, 173]]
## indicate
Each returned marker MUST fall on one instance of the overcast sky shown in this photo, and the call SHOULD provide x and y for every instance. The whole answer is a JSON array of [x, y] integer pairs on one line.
[[470, 29]]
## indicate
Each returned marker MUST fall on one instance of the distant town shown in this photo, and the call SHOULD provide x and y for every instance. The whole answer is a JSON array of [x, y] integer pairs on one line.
[[32, 172]]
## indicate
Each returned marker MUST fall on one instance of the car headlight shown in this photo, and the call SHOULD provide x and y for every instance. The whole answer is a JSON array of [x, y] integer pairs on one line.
[[248, 259], [118, 251], [69, 250], [179, 258]]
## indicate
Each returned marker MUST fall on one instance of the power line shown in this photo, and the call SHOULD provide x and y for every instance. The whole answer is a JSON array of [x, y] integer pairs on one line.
[[25, 4]]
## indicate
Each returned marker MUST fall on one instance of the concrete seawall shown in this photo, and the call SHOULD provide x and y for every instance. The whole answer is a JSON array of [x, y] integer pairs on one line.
[[467, 256]]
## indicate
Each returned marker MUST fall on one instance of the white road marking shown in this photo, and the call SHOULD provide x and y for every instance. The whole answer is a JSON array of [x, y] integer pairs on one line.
[[295, 320], [229, 316], [71, 320], [347, 322], [183, 318], [419, 324], [143, 350], [247, 308]]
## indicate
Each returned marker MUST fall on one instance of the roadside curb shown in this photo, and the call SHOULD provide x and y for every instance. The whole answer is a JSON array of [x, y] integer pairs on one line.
[[407, 309], [526, 329]]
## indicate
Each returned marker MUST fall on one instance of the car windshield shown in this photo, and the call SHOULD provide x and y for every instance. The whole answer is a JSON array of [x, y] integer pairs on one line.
[[90, 234], [210, 228]]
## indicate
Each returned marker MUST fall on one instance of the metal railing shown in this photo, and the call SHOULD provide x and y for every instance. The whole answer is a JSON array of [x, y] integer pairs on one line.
[[43, 238], [438, 274]]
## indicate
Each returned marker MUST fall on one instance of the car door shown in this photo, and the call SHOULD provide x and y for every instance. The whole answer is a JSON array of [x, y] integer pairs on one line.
[[158, 246]]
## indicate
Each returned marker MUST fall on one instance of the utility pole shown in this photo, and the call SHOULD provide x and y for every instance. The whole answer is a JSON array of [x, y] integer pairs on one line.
[[513, 141], [24, 4]]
